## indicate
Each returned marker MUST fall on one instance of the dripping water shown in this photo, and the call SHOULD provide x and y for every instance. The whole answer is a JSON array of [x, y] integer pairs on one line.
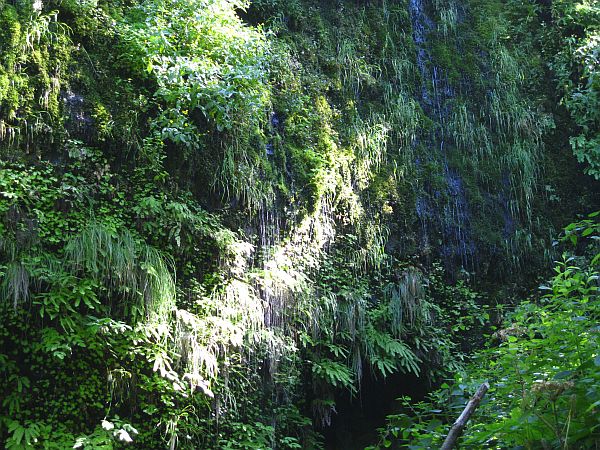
[[79, 123], [447, 212], [269, 231]]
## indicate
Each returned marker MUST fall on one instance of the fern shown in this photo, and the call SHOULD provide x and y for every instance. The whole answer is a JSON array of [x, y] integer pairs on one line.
[[333, 373], [388, 355]]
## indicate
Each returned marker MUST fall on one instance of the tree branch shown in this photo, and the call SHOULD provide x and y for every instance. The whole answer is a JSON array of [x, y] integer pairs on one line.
[[460, 423]]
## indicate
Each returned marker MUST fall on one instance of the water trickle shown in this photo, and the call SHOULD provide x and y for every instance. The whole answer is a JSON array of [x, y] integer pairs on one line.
[[456, 221], [507, 215], [422, 25], [275, 121], [269, 232], [276, 127], [445, 212], [80, 123]]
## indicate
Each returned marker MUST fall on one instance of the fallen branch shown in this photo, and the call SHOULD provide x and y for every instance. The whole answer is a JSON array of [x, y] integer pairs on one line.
[[460, 423]]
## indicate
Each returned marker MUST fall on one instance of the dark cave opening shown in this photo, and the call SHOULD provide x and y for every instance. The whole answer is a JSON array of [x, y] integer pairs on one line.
[[354, 427]]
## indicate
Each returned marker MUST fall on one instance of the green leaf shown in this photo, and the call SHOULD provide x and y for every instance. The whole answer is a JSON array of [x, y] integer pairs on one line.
[[18, 434]]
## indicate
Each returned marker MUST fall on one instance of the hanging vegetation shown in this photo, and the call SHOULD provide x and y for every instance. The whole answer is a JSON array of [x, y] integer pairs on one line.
[[232, 224]]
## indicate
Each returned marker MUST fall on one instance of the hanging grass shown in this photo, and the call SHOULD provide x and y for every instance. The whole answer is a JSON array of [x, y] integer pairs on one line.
[[126, 268]]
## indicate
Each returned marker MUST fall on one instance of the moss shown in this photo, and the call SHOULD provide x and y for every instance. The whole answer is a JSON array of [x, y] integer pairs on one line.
[[102, 121], [443, 55], [455, 63], [10, 31]]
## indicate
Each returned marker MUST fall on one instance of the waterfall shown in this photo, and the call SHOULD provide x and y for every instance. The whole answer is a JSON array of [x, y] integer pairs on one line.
[[445, 211]]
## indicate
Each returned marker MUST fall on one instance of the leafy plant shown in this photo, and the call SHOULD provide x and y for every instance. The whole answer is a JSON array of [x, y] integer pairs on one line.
[[543, 368]]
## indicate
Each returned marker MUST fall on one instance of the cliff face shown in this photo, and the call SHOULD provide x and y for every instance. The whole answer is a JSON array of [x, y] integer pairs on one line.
[[234, 212]]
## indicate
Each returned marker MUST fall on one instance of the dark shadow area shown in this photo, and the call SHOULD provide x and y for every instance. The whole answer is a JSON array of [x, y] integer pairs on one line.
[[354, 427]]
